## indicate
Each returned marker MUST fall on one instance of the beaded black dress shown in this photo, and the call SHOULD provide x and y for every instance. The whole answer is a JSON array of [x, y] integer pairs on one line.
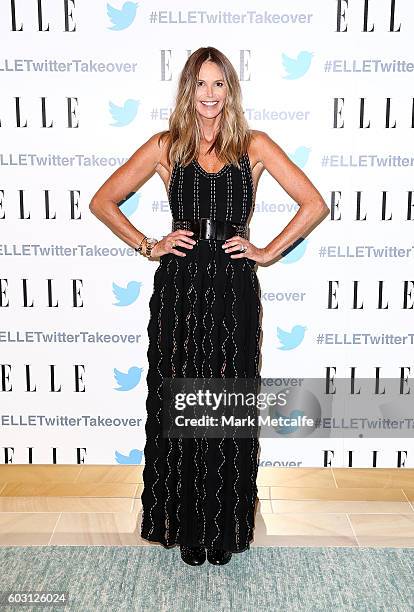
[[205, 313]]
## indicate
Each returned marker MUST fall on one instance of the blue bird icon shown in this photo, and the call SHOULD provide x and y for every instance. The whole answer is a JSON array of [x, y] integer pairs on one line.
[[122, 18], [134, 457], [126, 295], [130, 205], [292, 339], [288, 429], [123, 115], [127, 380], [300, 156], [295, 252], [297, 67]]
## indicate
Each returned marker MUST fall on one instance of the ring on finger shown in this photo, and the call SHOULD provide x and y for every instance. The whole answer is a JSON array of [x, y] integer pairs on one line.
[[243, 248]]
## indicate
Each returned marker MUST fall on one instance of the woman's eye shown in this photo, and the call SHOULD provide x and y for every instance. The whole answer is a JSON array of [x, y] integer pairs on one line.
[[220, 83]]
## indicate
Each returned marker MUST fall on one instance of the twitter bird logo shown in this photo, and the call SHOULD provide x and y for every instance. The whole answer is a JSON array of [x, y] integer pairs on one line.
[[128, 295], [287, 429], [129, 380], [296, 68], [123, 115], [292, 339], [295, 252], [123, 18], [300, 156], [134, 457], [130, 204]]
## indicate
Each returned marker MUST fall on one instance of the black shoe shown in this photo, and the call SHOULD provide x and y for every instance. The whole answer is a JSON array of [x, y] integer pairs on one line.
[[219, 556], [193, 555]]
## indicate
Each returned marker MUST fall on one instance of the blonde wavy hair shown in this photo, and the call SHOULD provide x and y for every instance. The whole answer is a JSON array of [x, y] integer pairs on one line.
[[184, 133]]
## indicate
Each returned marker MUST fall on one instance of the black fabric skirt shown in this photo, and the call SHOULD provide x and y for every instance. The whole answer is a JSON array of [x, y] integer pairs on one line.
[[204, 321]]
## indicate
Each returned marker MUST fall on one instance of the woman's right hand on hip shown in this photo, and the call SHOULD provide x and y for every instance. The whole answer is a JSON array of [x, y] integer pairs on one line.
[[168, 243]]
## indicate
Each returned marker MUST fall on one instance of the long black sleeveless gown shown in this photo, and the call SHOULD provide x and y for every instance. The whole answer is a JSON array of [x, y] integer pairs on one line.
[[204, 322]]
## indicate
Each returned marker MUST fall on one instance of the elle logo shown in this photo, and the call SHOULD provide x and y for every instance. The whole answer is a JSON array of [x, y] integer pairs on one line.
[[41, 13]]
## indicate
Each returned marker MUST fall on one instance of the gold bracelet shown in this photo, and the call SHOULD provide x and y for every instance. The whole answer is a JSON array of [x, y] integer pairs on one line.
[[139, 248], [150, 243]]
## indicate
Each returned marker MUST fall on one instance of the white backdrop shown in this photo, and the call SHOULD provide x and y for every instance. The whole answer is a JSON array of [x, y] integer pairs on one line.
[[81, 90]]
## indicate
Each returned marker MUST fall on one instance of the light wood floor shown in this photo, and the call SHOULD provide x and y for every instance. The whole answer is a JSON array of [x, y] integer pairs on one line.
[[100, 505]]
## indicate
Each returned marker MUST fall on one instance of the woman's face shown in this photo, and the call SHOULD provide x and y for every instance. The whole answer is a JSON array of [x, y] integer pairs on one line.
[[211, 88]]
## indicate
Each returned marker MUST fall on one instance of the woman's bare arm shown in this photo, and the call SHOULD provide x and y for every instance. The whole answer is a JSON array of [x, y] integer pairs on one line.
[[128, 178], [312, 207]]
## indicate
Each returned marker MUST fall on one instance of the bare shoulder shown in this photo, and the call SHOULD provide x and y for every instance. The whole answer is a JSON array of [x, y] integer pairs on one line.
[[156, 148], [149, 152], [157, 144], [262, 145], [257, 144], [268, 154], [161, 141], [139, 168]]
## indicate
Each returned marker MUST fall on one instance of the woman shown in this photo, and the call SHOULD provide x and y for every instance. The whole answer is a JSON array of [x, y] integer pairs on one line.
[[205, 309]]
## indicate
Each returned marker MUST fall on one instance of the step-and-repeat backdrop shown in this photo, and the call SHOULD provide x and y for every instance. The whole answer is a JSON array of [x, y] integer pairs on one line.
[[83, 85]]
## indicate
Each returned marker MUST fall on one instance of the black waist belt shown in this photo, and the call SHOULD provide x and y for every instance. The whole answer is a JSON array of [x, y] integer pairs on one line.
[[205, 228]]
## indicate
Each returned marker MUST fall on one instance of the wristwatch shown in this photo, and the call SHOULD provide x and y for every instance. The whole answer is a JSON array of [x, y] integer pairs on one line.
[[149, 245]]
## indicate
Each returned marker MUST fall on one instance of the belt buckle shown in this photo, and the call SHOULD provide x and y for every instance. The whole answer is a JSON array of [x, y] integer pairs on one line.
[[207, 228]]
